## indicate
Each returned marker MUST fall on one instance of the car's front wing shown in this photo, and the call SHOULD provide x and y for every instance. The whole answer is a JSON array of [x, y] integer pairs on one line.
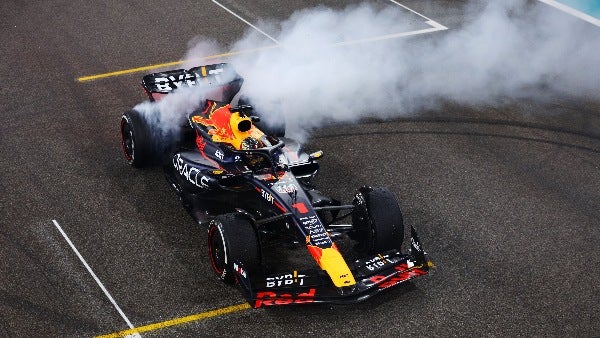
[[372, 274]]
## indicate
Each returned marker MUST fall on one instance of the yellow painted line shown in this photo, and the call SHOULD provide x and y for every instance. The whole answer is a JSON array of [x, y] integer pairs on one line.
[[178, 321], [436, 27], [168, 64]]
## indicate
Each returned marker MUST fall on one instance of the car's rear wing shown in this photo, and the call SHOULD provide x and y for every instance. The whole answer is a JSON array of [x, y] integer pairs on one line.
[[222, 77]]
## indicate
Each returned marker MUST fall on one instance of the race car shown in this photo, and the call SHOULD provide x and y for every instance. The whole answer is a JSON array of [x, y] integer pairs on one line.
[[270, 231]]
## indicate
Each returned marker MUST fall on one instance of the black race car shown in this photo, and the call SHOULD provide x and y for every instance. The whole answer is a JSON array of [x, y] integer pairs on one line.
[[259, 205]]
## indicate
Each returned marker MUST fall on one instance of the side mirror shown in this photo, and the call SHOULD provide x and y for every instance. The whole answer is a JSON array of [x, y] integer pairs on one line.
[[316, 155]]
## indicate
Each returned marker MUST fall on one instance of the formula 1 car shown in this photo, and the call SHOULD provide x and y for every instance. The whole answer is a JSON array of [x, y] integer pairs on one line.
[[260, 206]]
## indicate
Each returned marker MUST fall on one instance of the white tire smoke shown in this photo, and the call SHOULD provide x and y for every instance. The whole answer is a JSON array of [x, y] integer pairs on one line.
[[511, 49]]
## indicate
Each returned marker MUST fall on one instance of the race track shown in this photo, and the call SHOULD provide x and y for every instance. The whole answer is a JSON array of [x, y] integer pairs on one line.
[[506, 197]]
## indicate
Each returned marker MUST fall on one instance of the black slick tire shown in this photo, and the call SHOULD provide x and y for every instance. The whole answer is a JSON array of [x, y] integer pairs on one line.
[[231, 238], [377, 221], [136, 140]]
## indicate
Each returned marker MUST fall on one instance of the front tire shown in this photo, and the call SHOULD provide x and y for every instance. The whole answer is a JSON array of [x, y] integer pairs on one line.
[[231, 238], [377, 221]]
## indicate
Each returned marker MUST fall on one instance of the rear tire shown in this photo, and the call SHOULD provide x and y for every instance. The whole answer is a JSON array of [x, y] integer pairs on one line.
[[136, 139], [231, 238], [377, 221]]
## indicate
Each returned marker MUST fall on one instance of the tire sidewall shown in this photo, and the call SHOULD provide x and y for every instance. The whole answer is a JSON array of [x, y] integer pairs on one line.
[[216, 229], [237, 236], [143, 152], [378, 221]]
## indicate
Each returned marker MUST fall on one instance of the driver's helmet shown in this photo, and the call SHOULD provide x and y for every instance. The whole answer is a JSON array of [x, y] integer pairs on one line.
[[249, 143]]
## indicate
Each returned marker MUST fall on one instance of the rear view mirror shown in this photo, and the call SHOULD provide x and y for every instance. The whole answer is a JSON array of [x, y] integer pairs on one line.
[[316, 155]]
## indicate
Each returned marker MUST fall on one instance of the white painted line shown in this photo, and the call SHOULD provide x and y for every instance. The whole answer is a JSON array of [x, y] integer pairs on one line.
[[572, 11], [390, 36], [246, 21], [436, 25], [428, 20], [96, 278]]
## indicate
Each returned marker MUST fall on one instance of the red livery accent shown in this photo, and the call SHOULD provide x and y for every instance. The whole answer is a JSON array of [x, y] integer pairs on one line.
[[300, 207], [315, 252], [383, 282], [218, 118], [279, 206], [268, 298], [200, 143]]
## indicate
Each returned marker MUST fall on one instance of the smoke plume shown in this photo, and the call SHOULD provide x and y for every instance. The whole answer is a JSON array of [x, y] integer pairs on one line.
[[506, 49]]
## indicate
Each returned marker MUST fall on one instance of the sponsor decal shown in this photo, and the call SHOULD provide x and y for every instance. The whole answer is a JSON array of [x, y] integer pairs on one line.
[[269, 198], [316, 234], [315, 231], [288, 279], [172, 82], [215, 72], [268, 298], [190, 173], [285, 188], [219, 154], [376, 262], [240, 270], [266, 195], [319, 237], [309, 222]]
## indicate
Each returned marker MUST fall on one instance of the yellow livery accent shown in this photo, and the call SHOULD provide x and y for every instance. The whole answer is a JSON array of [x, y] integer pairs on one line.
[[336, 267], [242, 127]]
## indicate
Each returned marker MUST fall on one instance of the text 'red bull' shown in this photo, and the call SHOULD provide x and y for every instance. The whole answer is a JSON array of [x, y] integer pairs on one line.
[[268, 298]]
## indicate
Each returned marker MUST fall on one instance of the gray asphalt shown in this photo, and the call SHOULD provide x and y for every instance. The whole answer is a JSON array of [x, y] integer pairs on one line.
[[506, 203]]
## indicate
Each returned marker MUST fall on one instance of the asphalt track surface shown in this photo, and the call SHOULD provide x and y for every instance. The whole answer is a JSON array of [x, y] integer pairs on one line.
[[506, 203]]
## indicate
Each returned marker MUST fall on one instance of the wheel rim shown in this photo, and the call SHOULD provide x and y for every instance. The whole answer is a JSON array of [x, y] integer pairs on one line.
[[127, 141], [217, 251]]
